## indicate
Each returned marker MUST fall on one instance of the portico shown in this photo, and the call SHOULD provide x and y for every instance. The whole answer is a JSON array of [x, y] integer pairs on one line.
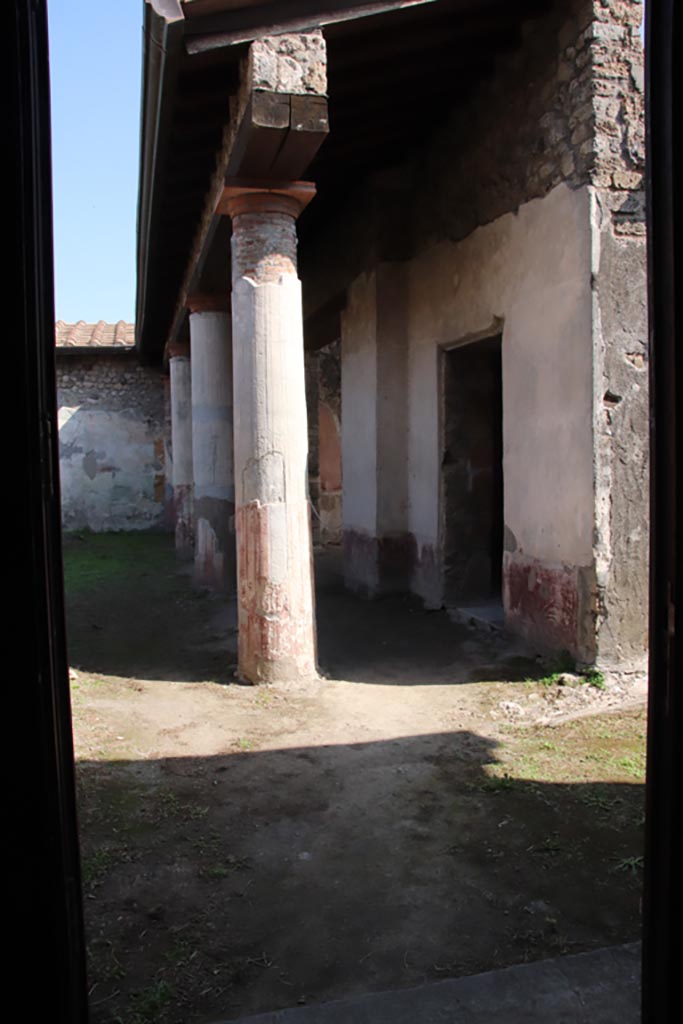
[[241, 298], [471, 246]]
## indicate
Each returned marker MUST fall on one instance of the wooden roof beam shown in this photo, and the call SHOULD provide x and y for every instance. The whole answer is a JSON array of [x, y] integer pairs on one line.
[[249, 24], [486, 29], [278, 122]]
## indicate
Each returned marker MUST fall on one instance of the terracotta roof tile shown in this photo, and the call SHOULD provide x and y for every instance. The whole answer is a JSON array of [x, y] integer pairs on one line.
[[99, 335]]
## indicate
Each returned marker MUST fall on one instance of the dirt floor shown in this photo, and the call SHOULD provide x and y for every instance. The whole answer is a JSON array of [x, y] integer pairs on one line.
[[441, 803]]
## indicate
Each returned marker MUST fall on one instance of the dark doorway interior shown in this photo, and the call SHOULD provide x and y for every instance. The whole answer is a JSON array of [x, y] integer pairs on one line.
[[472, 474]]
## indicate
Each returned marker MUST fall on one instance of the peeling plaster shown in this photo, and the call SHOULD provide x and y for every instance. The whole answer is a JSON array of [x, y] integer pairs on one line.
[[111, 447]]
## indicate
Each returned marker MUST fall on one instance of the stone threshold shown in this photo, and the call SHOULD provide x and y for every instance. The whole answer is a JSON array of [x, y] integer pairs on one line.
[[488, 615], [600, 987]]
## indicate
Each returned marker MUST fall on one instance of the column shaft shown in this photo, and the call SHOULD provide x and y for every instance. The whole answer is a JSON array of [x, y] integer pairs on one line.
[[274, 551], [212, 448], [181, 437]]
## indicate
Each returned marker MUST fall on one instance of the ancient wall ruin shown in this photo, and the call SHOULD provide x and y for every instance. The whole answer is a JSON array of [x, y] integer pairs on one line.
[[112, 440], [525, 216], [329, 443]]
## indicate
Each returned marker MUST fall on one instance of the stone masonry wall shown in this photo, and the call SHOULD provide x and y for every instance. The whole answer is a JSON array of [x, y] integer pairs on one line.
[[565, 110], [570, 107], [525, 130], [620, 336], [567, 106], [112, 444]]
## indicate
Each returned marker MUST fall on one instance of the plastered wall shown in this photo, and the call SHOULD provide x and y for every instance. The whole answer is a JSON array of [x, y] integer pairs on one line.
[[528, 274], [524, 216], [574, 566], [112, 444]]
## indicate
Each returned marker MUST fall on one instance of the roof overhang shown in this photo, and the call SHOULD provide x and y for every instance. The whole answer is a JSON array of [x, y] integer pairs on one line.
[[394, 70]]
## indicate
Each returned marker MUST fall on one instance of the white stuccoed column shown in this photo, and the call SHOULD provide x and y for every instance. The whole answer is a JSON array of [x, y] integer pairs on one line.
[[272, 518], [181, 440], [212, 442]]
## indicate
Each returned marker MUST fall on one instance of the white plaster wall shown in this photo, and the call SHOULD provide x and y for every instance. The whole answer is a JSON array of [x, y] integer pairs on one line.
[[211, 390], [359, 404], [392, 415], [530, 269], [111, 469], [424, 442], [181, 413]]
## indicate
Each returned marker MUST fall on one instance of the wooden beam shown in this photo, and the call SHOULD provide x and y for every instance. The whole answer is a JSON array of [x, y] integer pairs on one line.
[[193, 158], [324, 326], [279, 135], [453, 12], [274, 134], [249, 24], [261, 133], [407, 74], [194, 135], [446, 33], [308, 129], [354, 122]]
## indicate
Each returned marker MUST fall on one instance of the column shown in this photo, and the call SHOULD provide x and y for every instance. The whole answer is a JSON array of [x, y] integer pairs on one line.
[[273, 525], [359, 436], [181, 440], [212, 456], [397, 546], [379, 548]]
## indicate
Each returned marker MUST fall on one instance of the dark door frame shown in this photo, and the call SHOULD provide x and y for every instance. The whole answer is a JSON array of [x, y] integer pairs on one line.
[[663, 818], [494, 333], [46, 932], [45, 927]]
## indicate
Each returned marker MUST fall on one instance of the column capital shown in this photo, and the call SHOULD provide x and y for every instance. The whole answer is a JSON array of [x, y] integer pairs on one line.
[[208, 302], [243, 195], [178, 350]]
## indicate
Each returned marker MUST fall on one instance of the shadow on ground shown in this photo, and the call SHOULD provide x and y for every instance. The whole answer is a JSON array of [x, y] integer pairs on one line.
[[395, 640], [132, 611], [250, 848], [222, 886]]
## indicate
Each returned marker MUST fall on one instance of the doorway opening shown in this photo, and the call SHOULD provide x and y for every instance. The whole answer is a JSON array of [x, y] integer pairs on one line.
[[472, 478]]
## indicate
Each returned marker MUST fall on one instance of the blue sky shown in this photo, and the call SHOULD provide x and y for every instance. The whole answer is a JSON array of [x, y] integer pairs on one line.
[[95, 52]]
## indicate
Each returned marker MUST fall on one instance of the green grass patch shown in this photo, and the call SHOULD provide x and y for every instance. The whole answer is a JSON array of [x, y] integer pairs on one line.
[[150, 1002], [560, 670], [94, 559], [498, 783], [632, 764], [595, 750], [96, 866], [594, 678], [630, 865]]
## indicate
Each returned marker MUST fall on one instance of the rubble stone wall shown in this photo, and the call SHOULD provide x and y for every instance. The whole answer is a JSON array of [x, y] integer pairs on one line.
[[112, 441], [566, 107]]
